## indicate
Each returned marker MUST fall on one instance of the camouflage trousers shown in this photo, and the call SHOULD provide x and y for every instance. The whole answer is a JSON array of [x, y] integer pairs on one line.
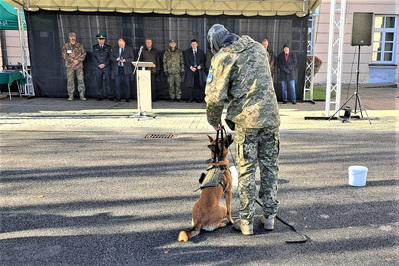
[[71, 81], [257, 147], [174, 86]]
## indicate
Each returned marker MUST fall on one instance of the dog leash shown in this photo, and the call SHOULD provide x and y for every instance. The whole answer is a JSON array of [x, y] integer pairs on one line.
[[303, 236]]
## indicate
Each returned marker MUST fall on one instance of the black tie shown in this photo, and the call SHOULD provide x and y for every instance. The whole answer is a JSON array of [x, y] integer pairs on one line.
[[195, 58]]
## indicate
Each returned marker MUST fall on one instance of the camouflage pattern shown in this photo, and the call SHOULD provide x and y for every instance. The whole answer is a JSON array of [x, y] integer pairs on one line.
[[241, 73], [71, 81], [174, 81], [257, 147], [173, 61], [72, 52], [173, 64]]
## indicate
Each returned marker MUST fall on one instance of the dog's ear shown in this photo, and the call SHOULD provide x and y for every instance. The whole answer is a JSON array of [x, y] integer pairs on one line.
[[228, 140], [210, 138]]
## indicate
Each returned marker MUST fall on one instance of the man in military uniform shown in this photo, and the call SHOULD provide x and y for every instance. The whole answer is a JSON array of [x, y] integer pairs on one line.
[[173, 66], [240, 73], [101, 56], [74, 54]]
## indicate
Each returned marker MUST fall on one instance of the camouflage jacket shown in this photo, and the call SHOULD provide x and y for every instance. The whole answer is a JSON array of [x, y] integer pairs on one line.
[[72, 52], [173, 61], [241, 74]]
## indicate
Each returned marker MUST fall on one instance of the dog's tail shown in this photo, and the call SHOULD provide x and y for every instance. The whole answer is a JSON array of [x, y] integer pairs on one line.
[[184, 236]]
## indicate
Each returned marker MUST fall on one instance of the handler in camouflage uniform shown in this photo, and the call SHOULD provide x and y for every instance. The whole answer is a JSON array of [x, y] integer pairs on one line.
[[173, 66], [240, 73], [74, 54]]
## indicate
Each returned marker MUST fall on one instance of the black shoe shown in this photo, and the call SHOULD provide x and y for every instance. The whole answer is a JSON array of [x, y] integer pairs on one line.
[[284, 102], [293, 102], [111, 99], [171, 100], [190, 101], [128, 100], [154, 101], [99, 99], [178, 100], [117, 100]]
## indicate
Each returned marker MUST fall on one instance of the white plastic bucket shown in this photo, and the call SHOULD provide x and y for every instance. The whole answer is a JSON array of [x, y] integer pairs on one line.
[[357, 175]]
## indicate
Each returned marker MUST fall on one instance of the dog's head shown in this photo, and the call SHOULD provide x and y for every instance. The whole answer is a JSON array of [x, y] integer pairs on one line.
[[227, 141]]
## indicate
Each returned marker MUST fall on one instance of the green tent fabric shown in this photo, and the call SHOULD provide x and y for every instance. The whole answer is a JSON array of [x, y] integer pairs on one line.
[[8, 17]]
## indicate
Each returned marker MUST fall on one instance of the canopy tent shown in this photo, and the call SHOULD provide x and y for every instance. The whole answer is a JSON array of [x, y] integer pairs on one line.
[[299, 8], [8, 16], [284, 21]]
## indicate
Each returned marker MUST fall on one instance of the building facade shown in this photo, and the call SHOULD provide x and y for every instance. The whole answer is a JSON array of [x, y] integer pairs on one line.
[[379, 61]]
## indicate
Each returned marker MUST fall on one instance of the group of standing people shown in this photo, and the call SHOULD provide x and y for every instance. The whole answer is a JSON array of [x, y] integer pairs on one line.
[[287, 63], [116, 63]]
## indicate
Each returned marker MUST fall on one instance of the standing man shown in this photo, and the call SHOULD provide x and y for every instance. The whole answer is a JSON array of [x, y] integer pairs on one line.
[[74, 54], [239, 73], [122, 57], [194, 80], [101, 56], [270, 55], [150, 54], [173, 66], [286, 61]]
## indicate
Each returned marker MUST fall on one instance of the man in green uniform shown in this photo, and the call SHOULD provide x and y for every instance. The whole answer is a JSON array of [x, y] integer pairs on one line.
[[240, 73], [74, 54], [173, 66]]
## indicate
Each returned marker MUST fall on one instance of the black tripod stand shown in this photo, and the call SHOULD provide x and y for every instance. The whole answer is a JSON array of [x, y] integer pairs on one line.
[[356, 94]]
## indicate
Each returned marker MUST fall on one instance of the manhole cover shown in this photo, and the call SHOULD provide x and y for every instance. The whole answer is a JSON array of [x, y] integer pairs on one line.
[[160, 136]]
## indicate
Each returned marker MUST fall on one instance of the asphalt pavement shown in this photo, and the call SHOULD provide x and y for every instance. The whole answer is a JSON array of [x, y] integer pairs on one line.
[[87, 183]]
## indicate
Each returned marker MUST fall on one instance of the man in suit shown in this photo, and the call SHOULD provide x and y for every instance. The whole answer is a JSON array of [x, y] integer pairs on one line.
[[150, 54], [101, 56], [122, 57], [194, 79], [286, 61]]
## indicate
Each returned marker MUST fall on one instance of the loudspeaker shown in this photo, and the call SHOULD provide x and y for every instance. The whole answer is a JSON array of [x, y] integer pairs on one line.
[[362, 27]]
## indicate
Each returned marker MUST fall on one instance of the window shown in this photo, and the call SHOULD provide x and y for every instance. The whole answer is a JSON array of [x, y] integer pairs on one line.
[[384, 39]]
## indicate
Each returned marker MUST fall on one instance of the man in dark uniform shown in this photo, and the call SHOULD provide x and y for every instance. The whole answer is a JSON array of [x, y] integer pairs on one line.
[[101, 56]]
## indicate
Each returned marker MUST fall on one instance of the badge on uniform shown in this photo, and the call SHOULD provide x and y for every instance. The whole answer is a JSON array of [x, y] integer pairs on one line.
[[209, 79]]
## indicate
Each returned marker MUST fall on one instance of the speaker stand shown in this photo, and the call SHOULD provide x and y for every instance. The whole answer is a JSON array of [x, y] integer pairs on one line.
[[356, 94]]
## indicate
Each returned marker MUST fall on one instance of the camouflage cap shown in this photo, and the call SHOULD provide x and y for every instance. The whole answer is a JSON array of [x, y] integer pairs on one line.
[[72, 34]]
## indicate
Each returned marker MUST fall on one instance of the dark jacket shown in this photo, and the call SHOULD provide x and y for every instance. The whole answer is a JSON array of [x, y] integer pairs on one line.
[[128, 55], [151, 56], [188, 62], [288, 69], [102, 56]]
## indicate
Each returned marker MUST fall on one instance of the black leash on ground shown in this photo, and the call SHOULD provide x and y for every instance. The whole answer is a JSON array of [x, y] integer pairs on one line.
[[304, 237]]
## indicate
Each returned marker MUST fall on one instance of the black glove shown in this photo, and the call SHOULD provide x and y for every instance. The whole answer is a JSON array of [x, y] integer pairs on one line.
[[166, 74]]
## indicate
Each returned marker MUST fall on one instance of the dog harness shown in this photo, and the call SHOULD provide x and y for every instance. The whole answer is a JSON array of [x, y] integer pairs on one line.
[[213, 177]]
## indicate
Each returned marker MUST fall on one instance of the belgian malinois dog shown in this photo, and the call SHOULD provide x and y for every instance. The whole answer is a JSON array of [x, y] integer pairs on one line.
[[207, 212]]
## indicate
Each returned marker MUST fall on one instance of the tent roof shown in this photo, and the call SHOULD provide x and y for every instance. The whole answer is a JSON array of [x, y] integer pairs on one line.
[[8, 17], [177, 7]]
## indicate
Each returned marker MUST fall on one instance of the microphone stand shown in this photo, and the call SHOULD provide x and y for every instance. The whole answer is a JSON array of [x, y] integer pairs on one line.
[[139, 114]]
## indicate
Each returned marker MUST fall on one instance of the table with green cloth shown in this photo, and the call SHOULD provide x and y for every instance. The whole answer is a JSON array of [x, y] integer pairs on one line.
[[8, 77]]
